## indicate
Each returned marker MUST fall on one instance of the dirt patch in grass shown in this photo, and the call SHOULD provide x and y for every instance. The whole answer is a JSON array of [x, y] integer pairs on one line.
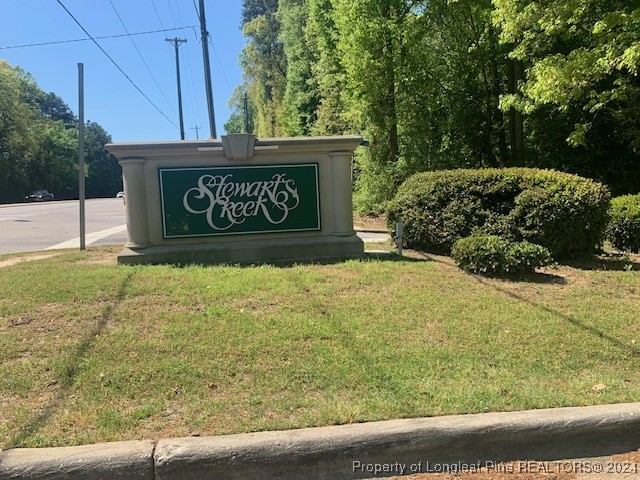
[[16, 260]]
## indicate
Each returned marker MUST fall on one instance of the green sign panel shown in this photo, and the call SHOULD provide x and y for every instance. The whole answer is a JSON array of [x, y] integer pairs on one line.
[[209, 201]]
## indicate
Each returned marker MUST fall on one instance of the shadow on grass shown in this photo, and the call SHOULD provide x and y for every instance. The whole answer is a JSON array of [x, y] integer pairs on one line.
[[540, 278], [630, 348], [72, 368], [369, 256], [551, 279], [606, 262]]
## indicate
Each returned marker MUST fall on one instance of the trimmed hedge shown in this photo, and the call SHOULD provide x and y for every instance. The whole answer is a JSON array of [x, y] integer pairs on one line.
[[623, 230], [491, 254], [563, 212]]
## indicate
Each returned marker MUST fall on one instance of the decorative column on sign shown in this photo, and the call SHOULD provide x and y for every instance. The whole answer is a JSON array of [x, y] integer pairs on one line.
[[135, 191], [342, 193]]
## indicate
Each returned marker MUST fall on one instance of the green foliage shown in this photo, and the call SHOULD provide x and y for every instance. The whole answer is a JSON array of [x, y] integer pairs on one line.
[[39, 144], [104, 178], [491, 254], [17, 115], [444, 84], [582, 54], [255, 8], [373, 186], [264, 65], [322, 36], [563, 212], [53, 107], [236, 122], [52, 163], [623, 230], [301, 95]]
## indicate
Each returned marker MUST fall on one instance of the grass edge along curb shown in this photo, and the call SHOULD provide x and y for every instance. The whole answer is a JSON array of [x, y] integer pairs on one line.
[[346, 451]]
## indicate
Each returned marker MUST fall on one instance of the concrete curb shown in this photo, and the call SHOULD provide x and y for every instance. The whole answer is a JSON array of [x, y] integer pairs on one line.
[[371, 230], [348, 451], [102, 461]]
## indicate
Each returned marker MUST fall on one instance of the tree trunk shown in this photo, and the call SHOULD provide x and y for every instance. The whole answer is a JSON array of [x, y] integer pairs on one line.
[[392, 113], [516, 125]]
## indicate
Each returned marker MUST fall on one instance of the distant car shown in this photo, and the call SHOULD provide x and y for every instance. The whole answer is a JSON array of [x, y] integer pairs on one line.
[[40, 196], [120, 195]]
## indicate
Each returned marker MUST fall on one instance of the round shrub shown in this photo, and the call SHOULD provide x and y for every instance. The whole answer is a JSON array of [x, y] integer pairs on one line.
[[623, 230], [563, 212], [491, 254]]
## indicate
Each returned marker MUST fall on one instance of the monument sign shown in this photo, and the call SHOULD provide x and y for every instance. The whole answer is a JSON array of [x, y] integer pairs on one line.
[[238, 200]]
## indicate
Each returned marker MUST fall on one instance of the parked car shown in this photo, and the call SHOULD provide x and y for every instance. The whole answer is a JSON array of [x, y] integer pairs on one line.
[[120, 195], [40, 196]]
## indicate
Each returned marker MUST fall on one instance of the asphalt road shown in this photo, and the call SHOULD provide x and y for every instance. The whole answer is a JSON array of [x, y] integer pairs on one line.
[[28, 227]]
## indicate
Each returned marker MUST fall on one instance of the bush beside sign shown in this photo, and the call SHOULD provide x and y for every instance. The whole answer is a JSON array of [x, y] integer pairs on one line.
[[199, 202]]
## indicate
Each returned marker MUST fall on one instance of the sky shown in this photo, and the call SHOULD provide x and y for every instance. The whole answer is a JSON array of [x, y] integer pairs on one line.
[[110, 98]]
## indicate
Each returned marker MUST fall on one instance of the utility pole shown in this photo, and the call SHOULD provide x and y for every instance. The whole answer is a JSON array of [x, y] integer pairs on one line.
[[197, 129], [207, 69], [176, 42]]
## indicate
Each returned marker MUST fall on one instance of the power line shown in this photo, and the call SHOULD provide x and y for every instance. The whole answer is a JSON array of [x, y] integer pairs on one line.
[[157, 14], [142, 57], [155, 9], [115, 64], [57, 42], [224, 75], [171, 11]]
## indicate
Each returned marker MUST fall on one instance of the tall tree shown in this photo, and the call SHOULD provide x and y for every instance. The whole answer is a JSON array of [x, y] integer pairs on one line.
[[256, 8], [264, 66], [39, 141], [236, 122], [584, 54], [424, 79], [104, 174], [54, 108], [300, 102], [580, 89], [17, 116], [329, 75], [52, 163]]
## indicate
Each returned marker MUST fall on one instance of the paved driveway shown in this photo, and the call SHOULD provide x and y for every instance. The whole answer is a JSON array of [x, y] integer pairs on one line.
[[28, 227]]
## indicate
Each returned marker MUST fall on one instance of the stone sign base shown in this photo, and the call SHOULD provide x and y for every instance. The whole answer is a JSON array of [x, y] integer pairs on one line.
[[280, 251]]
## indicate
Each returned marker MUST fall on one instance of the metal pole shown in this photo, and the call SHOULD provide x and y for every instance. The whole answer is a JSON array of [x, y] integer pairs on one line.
[[197, 129], [176, 42], [246, 112], [81, 190], [207, 70]]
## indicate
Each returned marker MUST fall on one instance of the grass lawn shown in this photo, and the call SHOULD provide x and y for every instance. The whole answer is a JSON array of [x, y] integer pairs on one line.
[[91, 351]]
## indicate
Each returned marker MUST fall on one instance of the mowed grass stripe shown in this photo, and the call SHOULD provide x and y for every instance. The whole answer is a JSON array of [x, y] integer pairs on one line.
[[91, 351]]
